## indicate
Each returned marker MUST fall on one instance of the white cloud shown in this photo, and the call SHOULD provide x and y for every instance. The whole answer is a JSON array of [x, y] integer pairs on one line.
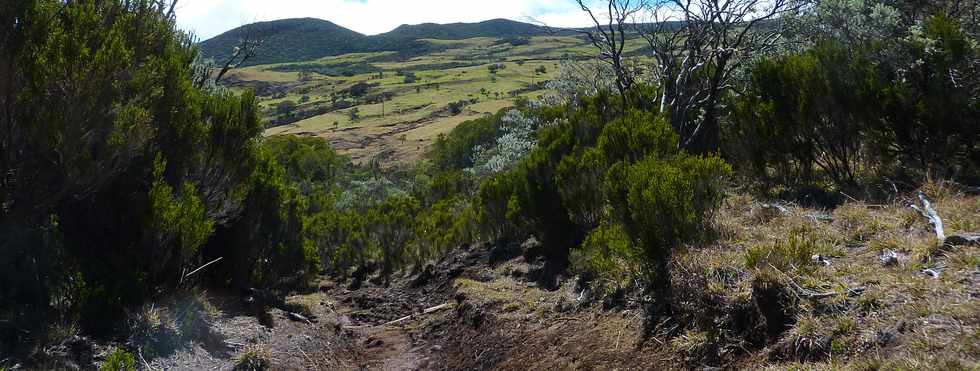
[[208, 18]]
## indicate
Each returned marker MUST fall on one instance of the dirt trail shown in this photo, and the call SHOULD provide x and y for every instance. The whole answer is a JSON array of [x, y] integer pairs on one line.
[[390, 349], [489, 316]]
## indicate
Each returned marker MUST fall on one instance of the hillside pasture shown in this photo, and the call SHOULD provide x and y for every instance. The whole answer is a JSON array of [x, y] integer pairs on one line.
[[415, 110]]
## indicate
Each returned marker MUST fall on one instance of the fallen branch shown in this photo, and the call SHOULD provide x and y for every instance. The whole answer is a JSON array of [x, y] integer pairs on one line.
[[145, 363], [315, 366], [426, 311], [932, 216], [776, 206], [803, 292], [200, 268], [298, 317], [966, 239]]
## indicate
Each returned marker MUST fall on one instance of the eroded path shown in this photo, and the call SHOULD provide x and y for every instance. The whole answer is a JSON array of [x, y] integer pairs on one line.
[[477, 309]]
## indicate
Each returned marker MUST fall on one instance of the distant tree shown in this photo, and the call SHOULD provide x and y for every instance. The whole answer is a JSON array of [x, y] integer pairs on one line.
[[456, 108], [410, 77], [392, 223], [359, 89], [286, 107], [495, 67]]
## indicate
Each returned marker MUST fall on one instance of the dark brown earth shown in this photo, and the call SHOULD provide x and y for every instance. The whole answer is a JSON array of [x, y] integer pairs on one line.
[[486, 317]]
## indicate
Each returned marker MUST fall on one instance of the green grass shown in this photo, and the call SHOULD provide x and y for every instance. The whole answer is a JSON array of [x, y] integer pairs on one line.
[[417, 110]]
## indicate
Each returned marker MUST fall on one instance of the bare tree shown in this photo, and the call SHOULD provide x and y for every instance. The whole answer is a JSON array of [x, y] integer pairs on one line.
[[249, 41], [609, 36], [698, 46]]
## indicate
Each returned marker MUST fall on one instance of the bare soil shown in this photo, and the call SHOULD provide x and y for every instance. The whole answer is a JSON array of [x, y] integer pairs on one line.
[[357, 329]]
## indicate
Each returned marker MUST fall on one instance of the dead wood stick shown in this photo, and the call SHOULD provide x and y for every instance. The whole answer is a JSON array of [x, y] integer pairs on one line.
[[315, 366], [201, 267], [810, 294], [930, 214], [426, 311]]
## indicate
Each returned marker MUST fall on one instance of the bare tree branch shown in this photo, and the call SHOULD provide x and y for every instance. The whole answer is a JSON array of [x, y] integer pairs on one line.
[[610, 38], [699, 45]]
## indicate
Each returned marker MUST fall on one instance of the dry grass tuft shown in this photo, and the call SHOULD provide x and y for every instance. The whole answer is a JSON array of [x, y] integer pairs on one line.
[[846, 309], [253, 359]]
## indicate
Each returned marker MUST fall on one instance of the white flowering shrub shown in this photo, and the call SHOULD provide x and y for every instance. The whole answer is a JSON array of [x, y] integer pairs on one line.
[[518, 137], [364, 192], [578, 79]]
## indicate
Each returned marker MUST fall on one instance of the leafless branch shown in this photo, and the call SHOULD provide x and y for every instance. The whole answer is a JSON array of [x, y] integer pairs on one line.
[[609, 36], [699, 45]]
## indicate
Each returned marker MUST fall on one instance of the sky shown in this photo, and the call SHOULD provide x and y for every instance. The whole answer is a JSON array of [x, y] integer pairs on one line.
[[208, 18]]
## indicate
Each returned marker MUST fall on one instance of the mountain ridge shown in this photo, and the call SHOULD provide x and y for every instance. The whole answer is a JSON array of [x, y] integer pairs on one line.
[[303, 39]]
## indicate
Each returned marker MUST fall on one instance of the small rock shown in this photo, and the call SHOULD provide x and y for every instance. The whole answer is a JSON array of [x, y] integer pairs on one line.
[[889, 258], [819, 259], [373, 342], [436, 348], [530, 244], [931, 272]]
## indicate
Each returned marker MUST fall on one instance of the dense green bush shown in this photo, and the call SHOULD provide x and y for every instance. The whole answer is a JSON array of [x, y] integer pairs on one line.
[[119, 360], [805, 114], [124, 162], [617, 188], [661, 204], [266, 241], [850, 114]]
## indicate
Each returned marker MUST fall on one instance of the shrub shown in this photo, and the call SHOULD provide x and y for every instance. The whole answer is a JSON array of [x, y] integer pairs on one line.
[[359, 89], [805, 114], [843, 113], [661, 204], [783, 255], [123, 153], [252, 360], [285, 108], [119, 360], [410, 77], [266, 242], [393, 224], [608, 253]]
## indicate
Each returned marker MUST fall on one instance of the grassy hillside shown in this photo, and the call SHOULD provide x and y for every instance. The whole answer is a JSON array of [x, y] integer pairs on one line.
[[302, 39], [458, 31], [416, 109], [286, 40]]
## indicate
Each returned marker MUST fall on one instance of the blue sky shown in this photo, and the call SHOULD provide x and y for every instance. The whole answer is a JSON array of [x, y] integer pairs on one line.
[[207, 18]]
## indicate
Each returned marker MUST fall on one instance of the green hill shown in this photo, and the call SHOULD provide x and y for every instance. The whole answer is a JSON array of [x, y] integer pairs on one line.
[[302, 39], [286, 40], [499, 28]]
